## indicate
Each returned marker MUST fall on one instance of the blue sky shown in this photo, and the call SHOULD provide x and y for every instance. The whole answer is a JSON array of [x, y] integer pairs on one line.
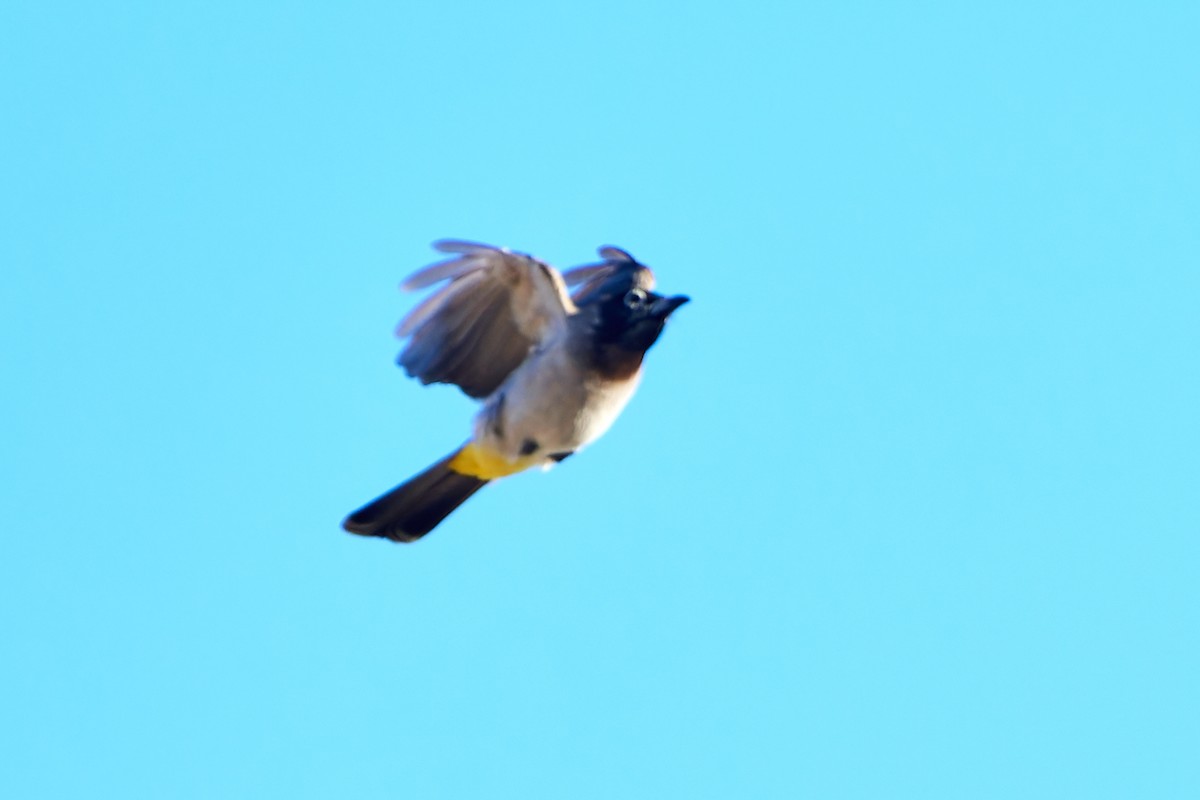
[[907, 503]]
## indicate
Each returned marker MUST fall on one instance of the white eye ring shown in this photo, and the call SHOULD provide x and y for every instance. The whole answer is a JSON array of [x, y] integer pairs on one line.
[[634, 298]]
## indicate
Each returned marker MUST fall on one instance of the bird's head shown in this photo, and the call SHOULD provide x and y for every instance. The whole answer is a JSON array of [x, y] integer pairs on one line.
[[629, 315]]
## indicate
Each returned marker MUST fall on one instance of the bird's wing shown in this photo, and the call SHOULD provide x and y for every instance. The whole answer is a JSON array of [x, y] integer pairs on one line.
[[479, 327], [590, 279]]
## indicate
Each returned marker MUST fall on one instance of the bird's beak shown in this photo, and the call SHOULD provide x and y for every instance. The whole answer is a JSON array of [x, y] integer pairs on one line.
[[663, 306]]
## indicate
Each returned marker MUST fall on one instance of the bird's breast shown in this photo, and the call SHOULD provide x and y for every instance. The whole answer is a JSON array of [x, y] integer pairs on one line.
[[606, 399], [551, 405]]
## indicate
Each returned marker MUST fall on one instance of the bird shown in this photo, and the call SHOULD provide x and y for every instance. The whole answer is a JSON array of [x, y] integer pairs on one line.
[[552, 368]]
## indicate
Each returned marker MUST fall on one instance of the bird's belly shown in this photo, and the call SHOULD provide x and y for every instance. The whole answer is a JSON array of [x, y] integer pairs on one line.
[[545, 416], [605, 402]]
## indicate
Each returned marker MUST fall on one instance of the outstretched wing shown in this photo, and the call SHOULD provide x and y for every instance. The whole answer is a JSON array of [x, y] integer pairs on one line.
[[478, 328], [592, 280]]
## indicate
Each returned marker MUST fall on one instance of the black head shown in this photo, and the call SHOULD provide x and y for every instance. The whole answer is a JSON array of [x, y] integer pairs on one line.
[[627, 315], [634, 319]]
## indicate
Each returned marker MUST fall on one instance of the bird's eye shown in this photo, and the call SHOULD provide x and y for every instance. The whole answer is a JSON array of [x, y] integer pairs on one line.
[[635, 298]]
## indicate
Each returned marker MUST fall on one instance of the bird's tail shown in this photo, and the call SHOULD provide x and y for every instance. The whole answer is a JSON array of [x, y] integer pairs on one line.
[[415, 507]]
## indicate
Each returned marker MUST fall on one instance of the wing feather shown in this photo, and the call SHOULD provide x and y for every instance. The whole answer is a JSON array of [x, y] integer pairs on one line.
[[475, 330], [590, 278]]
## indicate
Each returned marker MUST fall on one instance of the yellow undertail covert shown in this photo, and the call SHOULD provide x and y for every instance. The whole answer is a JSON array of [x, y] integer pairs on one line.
[[488, 465]]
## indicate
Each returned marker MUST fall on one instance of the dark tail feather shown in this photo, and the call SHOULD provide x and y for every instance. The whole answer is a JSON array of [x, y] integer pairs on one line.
[[414, 508]]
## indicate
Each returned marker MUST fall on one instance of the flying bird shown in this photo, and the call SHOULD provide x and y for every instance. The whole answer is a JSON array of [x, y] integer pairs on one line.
[[552, 368]]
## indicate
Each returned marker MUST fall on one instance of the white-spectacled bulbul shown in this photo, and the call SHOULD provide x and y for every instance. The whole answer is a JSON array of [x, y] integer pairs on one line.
[[553, 369]]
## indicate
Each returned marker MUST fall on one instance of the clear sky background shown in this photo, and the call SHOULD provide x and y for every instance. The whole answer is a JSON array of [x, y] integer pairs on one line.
[[907, 504]]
